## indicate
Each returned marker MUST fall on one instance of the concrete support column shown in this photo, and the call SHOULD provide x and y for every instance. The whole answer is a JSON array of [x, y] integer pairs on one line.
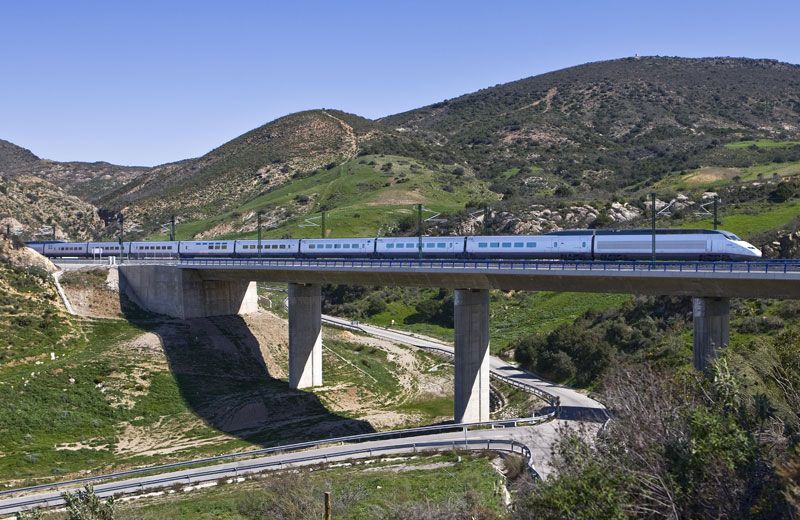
[[305, 335], [711, 317], [472, 355]]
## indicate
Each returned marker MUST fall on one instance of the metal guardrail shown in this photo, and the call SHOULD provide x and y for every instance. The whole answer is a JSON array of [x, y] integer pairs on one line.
[[771, 266], [293, 447], [760, 266], [508, 445]]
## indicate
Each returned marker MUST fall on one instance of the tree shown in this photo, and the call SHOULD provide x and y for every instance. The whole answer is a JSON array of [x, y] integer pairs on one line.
[[86, 505]]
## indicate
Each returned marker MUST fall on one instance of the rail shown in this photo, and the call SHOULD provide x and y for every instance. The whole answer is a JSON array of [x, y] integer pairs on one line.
[[408, 432]]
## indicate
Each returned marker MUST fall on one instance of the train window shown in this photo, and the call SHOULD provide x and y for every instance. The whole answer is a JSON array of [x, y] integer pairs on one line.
[[555, 244], [328, 246], [494, 244], [337, 246], [531, 244], [481, 244], [211, 247], [441, 245], [224, 246], [355, 246], [519, 244], [389, 246], [506, 244], [429, 245], [400, 246], [346, 246], [583, 244]]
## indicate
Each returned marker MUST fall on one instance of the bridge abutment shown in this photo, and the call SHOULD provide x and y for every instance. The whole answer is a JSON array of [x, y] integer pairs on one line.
[[184, 293], [471, 355], [711, 320], [305, 335]]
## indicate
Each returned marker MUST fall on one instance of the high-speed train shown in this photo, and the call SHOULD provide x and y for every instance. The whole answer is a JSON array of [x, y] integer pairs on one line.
[[628, 244]]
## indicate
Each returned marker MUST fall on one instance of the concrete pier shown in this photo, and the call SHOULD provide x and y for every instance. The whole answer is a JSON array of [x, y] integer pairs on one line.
[[185, 293], [305, 335], [711, 317], [471, 355]]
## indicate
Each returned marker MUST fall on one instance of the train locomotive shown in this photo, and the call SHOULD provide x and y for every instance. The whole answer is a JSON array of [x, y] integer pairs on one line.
[[629, 244]]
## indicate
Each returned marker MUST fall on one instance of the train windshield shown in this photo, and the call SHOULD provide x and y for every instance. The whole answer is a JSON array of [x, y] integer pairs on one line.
[[732, 236]]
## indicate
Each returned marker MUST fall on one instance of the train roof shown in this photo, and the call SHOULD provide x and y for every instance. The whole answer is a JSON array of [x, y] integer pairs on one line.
[[637, 232]]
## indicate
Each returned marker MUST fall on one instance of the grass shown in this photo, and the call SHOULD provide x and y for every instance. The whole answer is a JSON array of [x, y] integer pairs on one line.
[[749, 220], [512, 315], [519, 314], [711, 177], [362, 197], [73, 399], [761, 143]]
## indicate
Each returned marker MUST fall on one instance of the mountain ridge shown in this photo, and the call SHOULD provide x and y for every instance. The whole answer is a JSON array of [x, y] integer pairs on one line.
[[592, 131]]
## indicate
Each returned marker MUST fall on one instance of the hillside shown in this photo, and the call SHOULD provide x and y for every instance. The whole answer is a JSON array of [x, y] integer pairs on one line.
[[31, 207], [615, 122], [13, 157], [244, 168]]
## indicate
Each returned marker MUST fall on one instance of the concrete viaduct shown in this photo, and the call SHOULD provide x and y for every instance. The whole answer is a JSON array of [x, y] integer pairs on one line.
[[199, 288]]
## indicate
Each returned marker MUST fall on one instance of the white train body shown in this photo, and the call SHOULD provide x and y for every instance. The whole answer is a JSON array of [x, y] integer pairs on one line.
[[105, 249], [337, 247], [636, 244], [442, 247], [153, 249], [530, 246], [268, 247], [66, 249], [221, 248]]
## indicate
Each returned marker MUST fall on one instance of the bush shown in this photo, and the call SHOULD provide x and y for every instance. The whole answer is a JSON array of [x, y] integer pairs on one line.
[[757, 324], [375, 304]]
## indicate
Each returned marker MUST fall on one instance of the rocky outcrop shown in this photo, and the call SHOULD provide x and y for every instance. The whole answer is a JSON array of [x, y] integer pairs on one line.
[[786, 244]]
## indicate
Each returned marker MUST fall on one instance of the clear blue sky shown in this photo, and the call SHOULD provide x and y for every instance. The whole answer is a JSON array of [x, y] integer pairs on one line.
[[146, 82]]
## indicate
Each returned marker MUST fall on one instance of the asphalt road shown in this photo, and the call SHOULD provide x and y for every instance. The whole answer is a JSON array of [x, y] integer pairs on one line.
[[538, 440]]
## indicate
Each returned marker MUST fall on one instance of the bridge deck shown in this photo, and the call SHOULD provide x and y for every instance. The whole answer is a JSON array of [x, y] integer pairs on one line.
[[763, 279]]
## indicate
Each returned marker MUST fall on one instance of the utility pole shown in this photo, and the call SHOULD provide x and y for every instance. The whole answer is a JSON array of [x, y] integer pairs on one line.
[[172, 228], [419, 228], [322, 226], [487, 215], [653, 225], [121, 236], [258, 225], [54, 231], [716, 219], [328, 506]]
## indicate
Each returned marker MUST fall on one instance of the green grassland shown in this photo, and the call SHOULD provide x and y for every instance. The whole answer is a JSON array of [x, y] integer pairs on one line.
[[711, 177], [761, 143], [512, 315], [747, 220], [362, 197]]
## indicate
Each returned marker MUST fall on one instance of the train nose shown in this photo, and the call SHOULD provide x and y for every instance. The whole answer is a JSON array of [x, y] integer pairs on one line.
[[752, 250]]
